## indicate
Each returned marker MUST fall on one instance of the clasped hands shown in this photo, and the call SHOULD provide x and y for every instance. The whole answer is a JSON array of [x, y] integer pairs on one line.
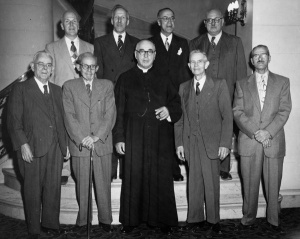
[[222, 153], [264, 137], [88, 142]]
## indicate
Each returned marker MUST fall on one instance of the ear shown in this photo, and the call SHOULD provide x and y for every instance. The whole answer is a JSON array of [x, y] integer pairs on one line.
[[189, 64], [112, 21], [206, 64], [127, 22], [269, 59], [32, 66], [96, 69], [158, 22], [252, 61], [78, 67], [62, 26]]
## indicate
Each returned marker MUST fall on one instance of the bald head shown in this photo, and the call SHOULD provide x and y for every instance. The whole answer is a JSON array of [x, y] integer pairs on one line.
[[70, 24], [214, 22], [145, 53]]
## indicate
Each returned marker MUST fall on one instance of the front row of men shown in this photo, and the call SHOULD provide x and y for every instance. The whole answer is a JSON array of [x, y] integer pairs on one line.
[[146, 111]]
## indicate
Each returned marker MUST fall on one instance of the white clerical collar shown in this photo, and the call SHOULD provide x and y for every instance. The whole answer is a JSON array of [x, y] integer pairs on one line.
[[41, 85], [116, 36], [143, 69], [217, 37], [163, 37]]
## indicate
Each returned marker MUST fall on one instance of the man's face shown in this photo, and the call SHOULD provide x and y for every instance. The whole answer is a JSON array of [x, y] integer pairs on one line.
[[70, 25], [214, 22], [260, 59], [145, 54], [166, 21], [120, 20], [88, 68], [198, 63], [42, 67]]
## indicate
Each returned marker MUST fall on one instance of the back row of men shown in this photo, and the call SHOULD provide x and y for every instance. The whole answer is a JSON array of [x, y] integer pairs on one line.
[[137, 105]]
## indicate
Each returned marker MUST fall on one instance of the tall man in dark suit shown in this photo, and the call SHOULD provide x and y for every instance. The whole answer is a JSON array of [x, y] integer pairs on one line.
[[115, 53], [203, 138], [172, 53], [90, 114], [262, 106], [36, 126], [226, 55]]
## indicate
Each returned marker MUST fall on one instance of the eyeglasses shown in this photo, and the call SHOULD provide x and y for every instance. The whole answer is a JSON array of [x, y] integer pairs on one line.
[[88, 67], [262, 55], [41, 65], [197, 62], [166, 19], [213, 20], [143, 52], [120, 18]]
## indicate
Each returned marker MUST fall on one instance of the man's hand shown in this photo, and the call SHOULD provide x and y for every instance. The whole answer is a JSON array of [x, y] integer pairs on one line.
[[266, 143], [26, 153], [120, 147], [180, 153], [223, 152], [262, 135], [89, 141], [162, 113]]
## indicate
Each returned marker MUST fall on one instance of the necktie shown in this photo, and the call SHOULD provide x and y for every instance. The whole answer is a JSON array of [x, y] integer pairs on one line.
[[213, 44], [74, 50], [46, 90], [120, 45], [167, 45], [264, 89], [88, 89], [197, 88]]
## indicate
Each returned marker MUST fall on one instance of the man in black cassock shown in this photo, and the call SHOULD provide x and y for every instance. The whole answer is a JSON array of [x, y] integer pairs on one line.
[[147, 107]]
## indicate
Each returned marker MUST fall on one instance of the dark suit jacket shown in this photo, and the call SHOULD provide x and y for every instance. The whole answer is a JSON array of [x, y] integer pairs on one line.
[[63, 67], [250, 118], [216, 120], [29, 120], [111, 65], [89, 116], [173, 62], [232, 62]]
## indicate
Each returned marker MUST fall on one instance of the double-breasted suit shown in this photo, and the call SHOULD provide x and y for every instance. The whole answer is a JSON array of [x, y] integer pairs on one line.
[[91, 116], [31, 122], [64, 69], [111, 63], [206, 125], [254, 158]]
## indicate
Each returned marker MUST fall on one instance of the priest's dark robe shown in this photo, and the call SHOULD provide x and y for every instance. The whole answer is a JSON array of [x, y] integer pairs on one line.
[[147, 193]]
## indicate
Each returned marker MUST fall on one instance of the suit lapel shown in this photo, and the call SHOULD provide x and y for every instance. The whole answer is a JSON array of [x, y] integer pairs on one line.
[[65, 54], [253, 91], [96, 92], [128, 49], [82, 92], [206, 91], [271, 88], [187, 97]]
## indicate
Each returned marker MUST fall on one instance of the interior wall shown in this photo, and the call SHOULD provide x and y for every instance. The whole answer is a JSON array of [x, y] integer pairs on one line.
[[276, 24]]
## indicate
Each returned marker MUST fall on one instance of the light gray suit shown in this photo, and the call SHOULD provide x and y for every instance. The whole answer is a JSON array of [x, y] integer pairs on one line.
[[63, 67], [94, 116], [254, 158]]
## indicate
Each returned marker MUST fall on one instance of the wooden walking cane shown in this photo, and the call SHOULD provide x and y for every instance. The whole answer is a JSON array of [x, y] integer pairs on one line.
[[90, 189]]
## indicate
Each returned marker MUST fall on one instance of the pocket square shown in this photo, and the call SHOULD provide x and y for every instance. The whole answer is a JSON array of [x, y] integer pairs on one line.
[[179, 51]]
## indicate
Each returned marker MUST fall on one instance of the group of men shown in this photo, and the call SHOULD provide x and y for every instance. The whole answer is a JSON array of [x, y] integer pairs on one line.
[[137, 102]]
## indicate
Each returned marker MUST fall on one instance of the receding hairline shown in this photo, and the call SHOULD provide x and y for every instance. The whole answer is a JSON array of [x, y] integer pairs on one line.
[[215, 10], [197, 51], [119, 6], [39, 53], [86, 55], [142, 41], [164, 9], [69, 11]]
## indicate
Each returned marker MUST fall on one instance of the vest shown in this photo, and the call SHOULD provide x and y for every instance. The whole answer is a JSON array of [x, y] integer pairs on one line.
[[213, 57], [49, 103], [194, 108]]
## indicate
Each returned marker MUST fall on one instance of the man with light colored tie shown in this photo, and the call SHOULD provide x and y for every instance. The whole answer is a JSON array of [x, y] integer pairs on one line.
[[261, 108], [203, 139], [115, 53]]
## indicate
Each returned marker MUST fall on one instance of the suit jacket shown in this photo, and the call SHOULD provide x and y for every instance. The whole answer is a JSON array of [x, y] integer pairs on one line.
[[216, 120], [89, 116], [29, 120], [173, 62], [250, 118], [232, 62], [111, 65], [63, 67]]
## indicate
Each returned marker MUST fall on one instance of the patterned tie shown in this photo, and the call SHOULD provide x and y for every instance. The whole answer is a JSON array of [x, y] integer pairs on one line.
[[74, 50], [46, 90], [213, 44], [88, 89], [197, 88], [264, 89], [120, 45], [167, 45]]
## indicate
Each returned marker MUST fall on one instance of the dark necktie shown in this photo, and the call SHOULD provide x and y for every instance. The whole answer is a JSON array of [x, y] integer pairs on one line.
[[120, 45], [46, 93], [74, 50], [167, 45], [197, 88], [88, 89], [213, 44]]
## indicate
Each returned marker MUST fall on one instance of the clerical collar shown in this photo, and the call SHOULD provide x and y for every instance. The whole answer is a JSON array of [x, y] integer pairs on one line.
[[116, 36], [163, 37], [143, 69], [217, 37]]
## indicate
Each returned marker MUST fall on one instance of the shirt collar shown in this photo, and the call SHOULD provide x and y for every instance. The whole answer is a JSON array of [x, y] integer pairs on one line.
[[41, 85], [201, 81], [258, 77], [88, 82], [116, 36], [163, 37], [76, 43], [143, 69], [217, 37]]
